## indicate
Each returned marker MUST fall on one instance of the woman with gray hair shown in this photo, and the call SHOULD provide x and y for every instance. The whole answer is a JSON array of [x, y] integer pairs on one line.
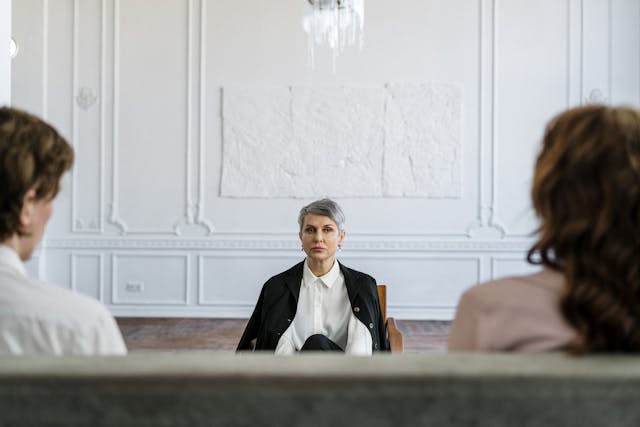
[[318, 304]]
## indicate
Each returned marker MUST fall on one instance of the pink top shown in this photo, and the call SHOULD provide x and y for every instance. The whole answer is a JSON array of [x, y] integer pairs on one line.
[[512, 314]]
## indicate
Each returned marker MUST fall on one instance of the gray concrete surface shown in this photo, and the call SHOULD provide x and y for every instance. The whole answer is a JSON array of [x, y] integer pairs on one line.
[[211, 389]]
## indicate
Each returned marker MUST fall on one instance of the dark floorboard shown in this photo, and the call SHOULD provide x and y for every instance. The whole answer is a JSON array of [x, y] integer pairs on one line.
[[184, 334]]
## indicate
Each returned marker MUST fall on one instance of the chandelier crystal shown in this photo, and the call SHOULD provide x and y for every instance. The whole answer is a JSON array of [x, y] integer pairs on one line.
[[334, 23]]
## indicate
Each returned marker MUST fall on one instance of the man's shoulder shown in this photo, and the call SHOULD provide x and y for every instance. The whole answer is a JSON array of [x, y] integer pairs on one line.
[[54, 303]]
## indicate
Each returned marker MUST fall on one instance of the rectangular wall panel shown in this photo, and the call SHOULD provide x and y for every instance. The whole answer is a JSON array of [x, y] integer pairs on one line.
[[420, 284], [57, 268], [87, 274], [151, 98], [150, 278], [227, 280], [625, 53], [88, 110], [531, 84], [596, 53]]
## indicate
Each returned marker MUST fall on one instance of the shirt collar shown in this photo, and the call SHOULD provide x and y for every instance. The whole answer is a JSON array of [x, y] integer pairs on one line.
[[328, 279], [9, 257]]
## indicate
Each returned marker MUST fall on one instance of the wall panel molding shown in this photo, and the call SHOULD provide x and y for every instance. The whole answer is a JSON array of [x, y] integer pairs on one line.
[[118, 299], [485, 225], [497, 116], [84, 98], [202, 123], [76, 259], [575, 65], [285, 244], [235, 303], [400, 291], [115, 218]]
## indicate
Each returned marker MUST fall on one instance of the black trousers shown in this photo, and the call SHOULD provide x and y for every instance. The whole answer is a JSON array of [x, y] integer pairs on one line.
[[319, 342]]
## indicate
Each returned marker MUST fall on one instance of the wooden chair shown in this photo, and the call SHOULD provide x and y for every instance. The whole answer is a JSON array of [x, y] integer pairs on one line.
[[396, 340]]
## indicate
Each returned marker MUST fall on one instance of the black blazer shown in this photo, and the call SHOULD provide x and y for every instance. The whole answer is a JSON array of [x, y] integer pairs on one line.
[[278, 302]]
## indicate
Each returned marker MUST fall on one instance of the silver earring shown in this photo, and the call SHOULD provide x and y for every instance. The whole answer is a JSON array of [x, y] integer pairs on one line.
[[339, 248]]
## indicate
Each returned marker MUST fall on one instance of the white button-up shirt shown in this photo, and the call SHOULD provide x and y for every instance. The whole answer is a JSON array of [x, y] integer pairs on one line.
[[38, 318], [324, 308]]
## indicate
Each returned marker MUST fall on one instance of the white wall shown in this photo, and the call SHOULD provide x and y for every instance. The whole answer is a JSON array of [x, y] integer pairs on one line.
[[137, 87], [5, 60]]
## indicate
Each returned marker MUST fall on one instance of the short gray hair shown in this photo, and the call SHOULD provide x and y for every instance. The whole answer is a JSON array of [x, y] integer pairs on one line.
[[325, 207]]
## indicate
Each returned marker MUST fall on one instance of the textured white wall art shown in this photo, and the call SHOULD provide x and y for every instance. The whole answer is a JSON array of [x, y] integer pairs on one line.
[[422, 155], [392, 141]]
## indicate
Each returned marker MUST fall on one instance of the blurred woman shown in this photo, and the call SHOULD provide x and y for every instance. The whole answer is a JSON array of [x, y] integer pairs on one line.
[[318, 304], [586, 192]]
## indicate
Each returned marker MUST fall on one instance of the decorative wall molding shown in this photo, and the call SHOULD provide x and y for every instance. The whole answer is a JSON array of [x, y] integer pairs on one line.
[[202, 123], [194, 210], [115, 297], [485, 225], [74, 264], [241, 304], [85, 98], [287, 244], [189, 205], [244, 307], [114, 216], [575, 68], [489, 224]]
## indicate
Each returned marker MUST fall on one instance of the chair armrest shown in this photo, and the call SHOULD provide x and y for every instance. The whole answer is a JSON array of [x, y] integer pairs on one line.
[[396, 340]]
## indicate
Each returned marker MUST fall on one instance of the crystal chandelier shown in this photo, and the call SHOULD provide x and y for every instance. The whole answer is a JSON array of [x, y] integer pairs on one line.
[[335, 23]]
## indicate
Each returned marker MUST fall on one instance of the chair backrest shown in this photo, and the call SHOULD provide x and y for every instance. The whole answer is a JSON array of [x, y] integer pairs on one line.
[[382, 295]]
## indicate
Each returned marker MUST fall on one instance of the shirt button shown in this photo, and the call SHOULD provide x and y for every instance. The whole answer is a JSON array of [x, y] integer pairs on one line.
[[370, 325], [356, 309]]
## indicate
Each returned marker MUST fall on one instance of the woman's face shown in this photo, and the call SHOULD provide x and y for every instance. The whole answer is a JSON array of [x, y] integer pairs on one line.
[[320, 237]]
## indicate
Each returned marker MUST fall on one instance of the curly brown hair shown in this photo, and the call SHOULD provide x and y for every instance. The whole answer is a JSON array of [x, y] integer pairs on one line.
[[586, 193], [33, 156]]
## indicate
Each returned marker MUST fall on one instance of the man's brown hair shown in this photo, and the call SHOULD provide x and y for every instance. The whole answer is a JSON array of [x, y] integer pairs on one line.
[[33, 156]]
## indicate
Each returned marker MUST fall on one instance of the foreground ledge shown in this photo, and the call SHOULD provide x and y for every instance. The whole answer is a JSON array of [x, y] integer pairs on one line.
[[209, 389]]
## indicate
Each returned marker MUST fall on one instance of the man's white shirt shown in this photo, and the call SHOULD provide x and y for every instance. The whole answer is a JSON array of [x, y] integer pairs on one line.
[[38, 318], [324, 308]]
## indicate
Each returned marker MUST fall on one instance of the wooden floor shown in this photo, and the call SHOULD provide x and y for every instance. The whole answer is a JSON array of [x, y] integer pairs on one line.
[[181, 334]]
